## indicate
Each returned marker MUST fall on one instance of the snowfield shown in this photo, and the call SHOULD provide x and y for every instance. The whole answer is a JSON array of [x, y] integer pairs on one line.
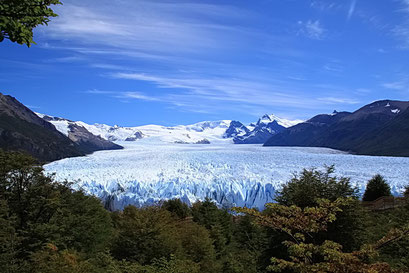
[[149, 170]]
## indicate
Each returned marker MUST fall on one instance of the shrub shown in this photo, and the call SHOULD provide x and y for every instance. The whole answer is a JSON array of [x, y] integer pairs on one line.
[[376, 187]]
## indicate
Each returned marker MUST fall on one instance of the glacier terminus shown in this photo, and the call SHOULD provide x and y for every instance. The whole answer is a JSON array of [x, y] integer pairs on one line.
[[149, 170]]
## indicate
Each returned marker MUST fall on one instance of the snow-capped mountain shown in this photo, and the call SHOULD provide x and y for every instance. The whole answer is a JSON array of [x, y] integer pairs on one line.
[[235, 129], [199, 133], [113, 133], [264, 129], [267, 119], [78, 133]]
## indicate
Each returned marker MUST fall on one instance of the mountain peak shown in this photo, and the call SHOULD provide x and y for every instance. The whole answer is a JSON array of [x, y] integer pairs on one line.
[[266, 119]]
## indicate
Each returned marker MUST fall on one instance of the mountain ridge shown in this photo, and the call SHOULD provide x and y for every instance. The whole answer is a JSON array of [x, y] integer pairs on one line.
[[198, 133], [23, 130], [352, 132]]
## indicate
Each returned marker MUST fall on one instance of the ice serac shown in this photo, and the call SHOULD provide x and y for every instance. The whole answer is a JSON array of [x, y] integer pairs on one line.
[[147, 172], [264, 129], [253, 196]]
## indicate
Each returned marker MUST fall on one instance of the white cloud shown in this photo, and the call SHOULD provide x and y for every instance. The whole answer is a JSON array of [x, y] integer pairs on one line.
[[401, 31], [124, 95], [312, 29], [333, 67], [151, 27], [335, 100], [224, 93], [398, 85], [351, 9]]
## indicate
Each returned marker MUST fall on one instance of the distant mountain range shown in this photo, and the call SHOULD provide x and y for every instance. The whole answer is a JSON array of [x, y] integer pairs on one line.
[[205, 132], [380, 128], [22, 130]]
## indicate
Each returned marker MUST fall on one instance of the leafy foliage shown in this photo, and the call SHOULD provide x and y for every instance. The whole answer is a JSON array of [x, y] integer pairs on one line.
[[311, 185], [305, 189], [376, 187], [18, 18], [177, 208], [301, 226], [218, 222], [46, 226]]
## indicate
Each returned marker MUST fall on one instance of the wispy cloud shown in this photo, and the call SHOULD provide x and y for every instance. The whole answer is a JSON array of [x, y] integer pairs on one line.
[[401, 31], [351, 9], [200, 57], [151, 26], [221, 94], [68, 59], [332, 67], [312, 29], [124, 95], [398, 85], [336, 100]]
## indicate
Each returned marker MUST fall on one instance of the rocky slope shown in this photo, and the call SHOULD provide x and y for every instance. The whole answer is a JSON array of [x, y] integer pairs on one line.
[[86, 141], [365, 131], [265, 128], [22, 130]]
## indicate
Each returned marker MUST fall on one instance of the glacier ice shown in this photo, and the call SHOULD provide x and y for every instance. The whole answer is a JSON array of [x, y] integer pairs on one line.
[[149, 170]]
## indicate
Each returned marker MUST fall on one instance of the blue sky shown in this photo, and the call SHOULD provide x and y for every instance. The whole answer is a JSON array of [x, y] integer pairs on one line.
[[132, 62]]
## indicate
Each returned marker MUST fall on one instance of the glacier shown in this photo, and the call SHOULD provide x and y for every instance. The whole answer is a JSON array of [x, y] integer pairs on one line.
[[150, 170]]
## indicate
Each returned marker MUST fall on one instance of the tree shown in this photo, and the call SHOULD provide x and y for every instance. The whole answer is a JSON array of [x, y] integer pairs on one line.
[[143, 234], [51, 259], [35, 211], [217, 221], [9, 241], [376, 187], [177, 208], [305, 254], [18, 18], [305, 189]]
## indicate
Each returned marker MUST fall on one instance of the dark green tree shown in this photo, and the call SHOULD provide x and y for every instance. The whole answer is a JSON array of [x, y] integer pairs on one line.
[[217, 221], [305, 189], [41, 211], [177, 208], [9, 241], [143, 234], [18, 18], [376, 187]]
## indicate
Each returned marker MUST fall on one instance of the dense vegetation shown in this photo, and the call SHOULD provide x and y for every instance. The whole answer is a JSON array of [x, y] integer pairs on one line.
[[316, 226]]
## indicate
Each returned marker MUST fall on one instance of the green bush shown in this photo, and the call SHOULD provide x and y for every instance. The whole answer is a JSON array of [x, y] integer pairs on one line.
[[376, 187]]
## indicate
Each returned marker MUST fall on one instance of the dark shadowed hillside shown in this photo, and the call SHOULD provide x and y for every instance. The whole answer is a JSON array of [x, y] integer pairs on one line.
[[22, 130], [366, 131]]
